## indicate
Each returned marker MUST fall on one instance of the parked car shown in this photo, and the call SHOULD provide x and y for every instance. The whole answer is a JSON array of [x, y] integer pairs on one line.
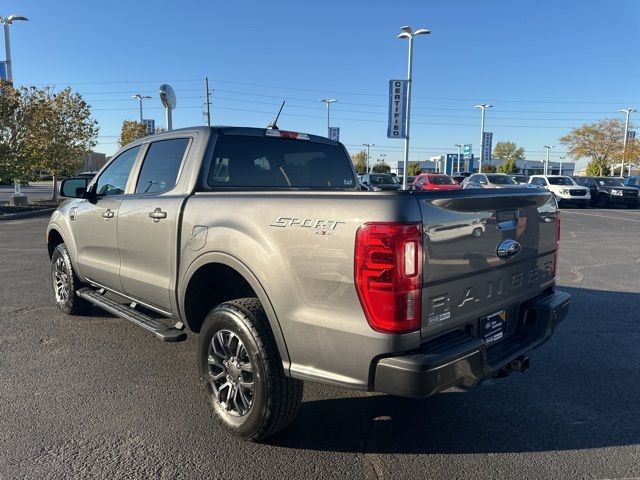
[[520, 179], [435, 181], [633, 182], [609, 191], [260, 242], [565, 189], [489, 180], [380, 181], [459, 177], [474, 227]]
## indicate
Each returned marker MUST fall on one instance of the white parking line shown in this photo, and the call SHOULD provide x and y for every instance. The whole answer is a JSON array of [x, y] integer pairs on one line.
[[599, 216]]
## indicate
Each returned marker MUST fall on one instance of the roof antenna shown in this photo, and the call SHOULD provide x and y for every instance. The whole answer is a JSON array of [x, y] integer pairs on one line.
[[273, 125]]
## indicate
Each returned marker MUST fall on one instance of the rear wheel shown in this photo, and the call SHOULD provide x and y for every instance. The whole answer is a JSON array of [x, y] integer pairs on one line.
[[477, 232], [66, 283], [242, 372]]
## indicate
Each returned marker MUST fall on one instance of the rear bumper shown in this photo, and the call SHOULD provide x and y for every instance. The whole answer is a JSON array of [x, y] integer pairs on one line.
[[458, 359]]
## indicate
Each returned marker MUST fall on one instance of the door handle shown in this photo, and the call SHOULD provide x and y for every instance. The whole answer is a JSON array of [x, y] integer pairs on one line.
[[157, 214], [108, 214]]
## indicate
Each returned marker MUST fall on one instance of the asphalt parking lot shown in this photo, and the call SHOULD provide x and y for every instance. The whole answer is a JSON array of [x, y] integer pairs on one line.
[[95, 396]]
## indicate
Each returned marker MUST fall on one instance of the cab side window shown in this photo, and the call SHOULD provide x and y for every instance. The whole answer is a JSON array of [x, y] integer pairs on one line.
[[113, 180], [161, 165]]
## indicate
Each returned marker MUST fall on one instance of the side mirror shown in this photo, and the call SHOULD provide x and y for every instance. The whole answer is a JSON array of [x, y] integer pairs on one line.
[[73, 187]]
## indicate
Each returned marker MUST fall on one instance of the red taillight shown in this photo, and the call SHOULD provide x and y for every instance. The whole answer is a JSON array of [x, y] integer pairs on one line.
[[388, 275], [555, 255]]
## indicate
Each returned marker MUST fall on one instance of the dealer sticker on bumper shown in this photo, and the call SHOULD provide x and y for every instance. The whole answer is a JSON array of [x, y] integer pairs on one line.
[[493, 327]]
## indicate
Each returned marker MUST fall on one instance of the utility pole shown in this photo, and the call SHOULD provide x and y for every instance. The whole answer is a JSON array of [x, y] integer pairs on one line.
[[368, 145], [207, 101], [483, 107], [561, 159], [626, 134]]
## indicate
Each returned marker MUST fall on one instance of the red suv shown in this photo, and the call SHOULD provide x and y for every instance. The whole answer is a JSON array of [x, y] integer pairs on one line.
[[435, 181]]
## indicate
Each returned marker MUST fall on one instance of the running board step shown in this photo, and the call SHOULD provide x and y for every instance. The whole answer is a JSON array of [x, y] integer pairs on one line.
[[161, 330]]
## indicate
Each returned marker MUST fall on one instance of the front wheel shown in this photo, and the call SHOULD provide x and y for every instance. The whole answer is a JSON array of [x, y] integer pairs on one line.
[[66, 283], [242, 372], [603, 201]]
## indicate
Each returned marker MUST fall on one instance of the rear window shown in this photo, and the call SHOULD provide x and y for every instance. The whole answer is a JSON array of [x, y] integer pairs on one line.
[[279, 162], [501, 179], [441, 180], [383, 179]]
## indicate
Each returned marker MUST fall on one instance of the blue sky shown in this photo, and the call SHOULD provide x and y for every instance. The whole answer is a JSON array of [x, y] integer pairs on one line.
[[546, 66]]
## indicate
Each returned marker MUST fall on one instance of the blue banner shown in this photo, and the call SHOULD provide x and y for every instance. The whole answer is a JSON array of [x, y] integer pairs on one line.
[[3, 71], [397, 126]]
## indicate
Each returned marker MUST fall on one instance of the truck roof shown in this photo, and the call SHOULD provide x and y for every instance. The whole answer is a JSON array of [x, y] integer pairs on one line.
[[251, 131]]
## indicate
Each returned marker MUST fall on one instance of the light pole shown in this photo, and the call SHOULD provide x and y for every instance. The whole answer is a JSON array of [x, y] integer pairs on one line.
[[561, 159], [140, 98], [368, 145], [546, 163], [626, 133], [6, 21], [483, 107], [328, 102], [407, 32], [459, 147]]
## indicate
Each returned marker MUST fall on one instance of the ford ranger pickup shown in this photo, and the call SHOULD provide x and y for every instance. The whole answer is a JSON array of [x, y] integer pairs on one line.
[[262, 242]]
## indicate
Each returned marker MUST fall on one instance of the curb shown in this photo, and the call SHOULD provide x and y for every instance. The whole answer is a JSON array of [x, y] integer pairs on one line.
[[20, 215]]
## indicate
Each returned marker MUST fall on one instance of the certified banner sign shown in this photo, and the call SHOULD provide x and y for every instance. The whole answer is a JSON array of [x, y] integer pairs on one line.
[[397, 127]]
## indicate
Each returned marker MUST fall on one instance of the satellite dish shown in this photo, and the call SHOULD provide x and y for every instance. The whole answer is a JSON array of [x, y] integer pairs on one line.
[[167, 96]]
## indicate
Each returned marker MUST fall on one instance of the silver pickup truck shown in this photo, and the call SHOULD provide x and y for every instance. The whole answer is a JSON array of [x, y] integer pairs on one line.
[[262, 242]]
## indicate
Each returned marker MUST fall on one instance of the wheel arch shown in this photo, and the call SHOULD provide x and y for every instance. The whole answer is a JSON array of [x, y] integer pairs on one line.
[[216, 277]]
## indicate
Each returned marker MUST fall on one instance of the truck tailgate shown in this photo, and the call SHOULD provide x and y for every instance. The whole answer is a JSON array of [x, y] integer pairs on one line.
[[464, 276]]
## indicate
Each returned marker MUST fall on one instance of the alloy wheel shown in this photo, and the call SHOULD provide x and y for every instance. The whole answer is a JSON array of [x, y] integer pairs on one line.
[[231, 373]]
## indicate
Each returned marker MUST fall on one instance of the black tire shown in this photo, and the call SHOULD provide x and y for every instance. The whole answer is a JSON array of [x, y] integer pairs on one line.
[[65, 283], [477, 232], [603, 201], [275, 398]]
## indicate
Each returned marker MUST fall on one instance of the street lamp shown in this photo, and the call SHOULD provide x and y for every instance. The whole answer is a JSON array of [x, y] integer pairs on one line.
[[459, 147], [561, 159], [407, 32], [6, 21], [368, 145], [546, 163], [483, 107], [626, 133], [140, 97], [328, 102]]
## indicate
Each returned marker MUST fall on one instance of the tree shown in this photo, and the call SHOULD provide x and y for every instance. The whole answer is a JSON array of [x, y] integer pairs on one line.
[[360, 161], [509, 166], [414, 169], [509, 153], [381, 167], [601, 141], [131, 131], [14, 162], [60, 130], [597, 169]]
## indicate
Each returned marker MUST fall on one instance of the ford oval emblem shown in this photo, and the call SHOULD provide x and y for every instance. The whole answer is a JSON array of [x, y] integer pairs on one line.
[[509, 249]]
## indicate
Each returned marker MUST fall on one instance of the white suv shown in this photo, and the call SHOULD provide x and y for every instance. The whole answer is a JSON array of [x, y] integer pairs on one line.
[[564, 189]]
